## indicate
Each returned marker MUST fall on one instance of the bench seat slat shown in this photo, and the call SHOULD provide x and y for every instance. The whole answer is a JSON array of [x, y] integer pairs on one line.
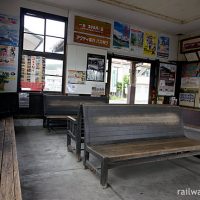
[[140, 149], [1, 140], [7, 186], [56, 116], [17, 185], [9, 173]]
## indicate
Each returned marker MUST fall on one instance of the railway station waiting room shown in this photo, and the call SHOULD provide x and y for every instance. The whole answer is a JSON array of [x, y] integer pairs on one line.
[[99, 100]]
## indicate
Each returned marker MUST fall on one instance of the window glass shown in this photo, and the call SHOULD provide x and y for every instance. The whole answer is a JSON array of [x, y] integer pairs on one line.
[[33, 42], [53, 83], [54, 45], [33, 25], [43, 51], [54, 67], [55, 28]]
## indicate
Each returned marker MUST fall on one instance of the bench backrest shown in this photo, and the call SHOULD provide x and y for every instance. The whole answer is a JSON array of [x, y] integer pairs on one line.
[[118, 123], [68, 105]]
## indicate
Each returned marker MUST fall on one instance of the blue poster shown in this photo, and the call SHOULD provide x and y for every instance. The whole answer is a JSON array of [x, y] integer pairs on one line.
[[121, 35], [8, 30], [163, 47]]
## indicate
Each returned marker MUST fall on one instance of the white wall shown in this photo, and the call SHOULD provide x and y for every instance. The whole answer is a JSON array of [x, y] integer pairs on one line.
[[12, 7], [77, 60], [139, 54]]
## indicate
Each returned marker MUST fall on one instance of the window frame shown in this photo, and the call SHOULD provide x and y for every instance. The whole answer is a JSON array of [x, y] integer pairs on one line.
[[48, 55]]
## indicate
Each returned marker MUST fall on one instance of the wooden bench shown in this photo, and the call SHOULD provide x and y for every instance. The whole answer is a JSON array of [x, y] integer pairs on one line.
[[75, 130], [57, 108], [132, 134], [9, 173]]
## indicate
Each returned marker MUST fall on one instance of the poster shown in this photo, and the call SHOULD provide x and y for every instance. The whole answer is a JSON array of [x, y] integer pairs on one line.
[[92, 32], [95, 67], [23, 100], [32, 73], [8, 68], [8, 30], [136, 39], [150, 43], [76, 77], [121, 36], [187, 99], [167, 79], [163, 47], [190, 77]]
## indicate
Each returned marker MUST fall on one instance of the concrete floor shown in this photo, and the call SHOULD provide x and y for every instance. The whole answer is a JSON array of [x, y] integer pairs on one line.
[[49, 172]]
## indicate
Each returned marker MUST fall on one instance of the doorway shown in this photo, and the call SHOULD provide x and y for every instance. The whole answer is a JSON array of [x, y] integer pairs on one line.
[[120, 80], [129, 81], [142, 83]]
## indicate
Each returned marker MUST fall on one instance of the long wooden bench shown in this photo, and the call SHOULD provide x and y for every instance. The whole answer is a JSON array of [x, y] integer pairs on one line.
[[75, 127], [9, 173], [132, 134], [57, 108]]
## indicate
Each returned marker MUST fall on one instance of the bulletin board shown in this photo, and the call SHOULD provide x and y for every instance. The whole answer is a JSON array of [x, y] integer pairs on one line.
[[77, 66]]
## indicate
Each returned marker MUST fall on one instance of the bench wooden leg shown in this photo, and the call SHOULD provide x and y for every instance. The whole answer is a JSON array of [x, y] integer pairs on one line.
[[69, 147], [78, 147], [104, 173], [86, 158], [48, 125]]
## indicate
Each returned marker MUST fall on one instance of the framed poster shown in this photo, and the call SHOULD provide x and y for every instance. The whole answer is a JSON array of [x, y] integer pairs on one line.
[[121, 35], [136, 40], [167, 79], [9, 34], [150, 43], [8, 68], [163, 47], [95, 67], [190, 44]]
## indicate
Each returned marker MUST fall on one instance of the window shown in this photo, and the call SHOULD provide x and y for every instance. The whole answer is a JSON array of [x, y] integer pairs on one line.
[[43, 42]]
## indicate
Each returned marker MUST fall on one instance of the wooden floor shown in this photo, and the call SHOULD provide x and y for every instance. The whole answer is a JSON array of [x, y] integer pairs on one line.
[[148, 148], [9, 174]]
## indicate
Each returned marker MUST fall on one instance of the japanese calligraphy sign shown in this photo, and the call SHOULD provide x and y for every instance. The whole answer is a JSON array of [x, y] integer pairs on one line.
[[95, 27], [91, 40], [92, 32]]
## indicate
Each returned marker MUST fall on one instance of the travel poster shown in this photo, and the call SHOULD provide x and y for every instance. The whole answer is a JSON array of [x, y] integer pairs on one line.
[[167, 79], [95, 67], [163, 47], [121, 35], [8, 68], [9, 30], [150, 43], [136, 39]]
